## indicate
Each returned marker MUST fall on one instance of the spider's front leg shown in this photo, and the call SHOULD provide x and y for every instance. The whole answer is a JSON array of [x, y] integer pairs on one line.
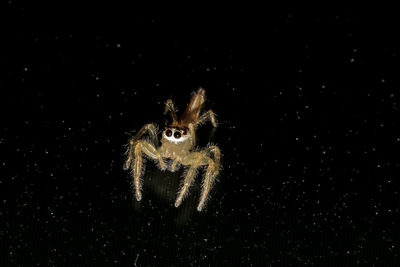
[[194, 160], [148, 149], [148, 128], [135, 160], [211, 173]]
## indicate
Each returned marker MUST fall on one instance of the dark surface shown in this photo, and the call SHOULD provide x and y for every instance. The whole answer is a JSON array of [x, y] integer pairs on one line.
[[310, 162]]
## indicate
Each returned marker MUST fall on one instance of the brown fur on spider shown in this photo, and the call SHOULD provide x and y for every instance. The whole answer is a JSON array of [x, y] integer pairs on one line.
[[177, 143]]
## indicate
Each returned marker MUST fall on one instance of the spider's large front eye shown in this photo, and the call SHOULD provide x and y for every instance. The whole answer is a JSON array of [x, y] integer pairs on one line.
[[177, 134], [168, 133]]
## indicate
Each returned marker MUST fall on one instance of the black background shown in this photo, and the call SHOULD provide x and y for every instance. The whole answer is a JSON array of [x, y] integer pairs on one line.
[[310, 160]]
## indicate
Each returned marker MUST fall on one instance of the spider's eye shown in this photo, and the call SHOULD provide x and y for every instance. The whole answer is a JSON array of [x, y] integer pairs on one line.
[[168, 133], [177, 134]]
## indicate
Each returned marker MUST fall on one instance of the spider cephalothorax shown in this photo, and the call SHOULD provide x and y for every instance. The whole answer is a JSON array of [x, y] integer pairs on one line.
[[176, 134], [177, 142]]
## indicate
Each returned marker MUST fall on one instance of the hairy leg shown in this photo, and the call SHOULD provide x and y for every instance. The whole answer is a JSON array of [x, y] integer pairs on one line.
[[209, 178], [140, 147], [194, 160], [148, 128], [169, 106], [214, 150], [209, 114], [211, 172], [192, 132]]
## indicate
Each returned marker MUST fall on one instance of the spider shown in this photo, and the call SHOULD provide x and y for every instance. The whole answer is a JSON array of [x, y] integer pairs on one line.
[[177, 144]]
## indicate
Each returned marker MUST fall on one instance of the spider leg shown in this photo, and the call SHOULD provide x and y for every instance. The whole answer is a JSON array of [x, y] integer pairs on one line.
[[211, 172], [209, 114], [209, 178], [194, 160], [192, 132], [148, 149], [169, 106], [217, 155], [148, 128]]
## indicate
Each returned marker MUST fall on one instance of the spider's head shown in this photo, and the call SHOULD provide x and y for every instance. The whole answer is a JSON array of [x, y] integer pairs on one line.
[[176, 134]]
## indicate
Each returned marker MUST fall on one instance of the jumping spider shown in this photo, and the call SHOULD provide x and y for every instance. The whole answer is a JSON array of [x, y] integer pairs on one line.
[[177, 143]]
